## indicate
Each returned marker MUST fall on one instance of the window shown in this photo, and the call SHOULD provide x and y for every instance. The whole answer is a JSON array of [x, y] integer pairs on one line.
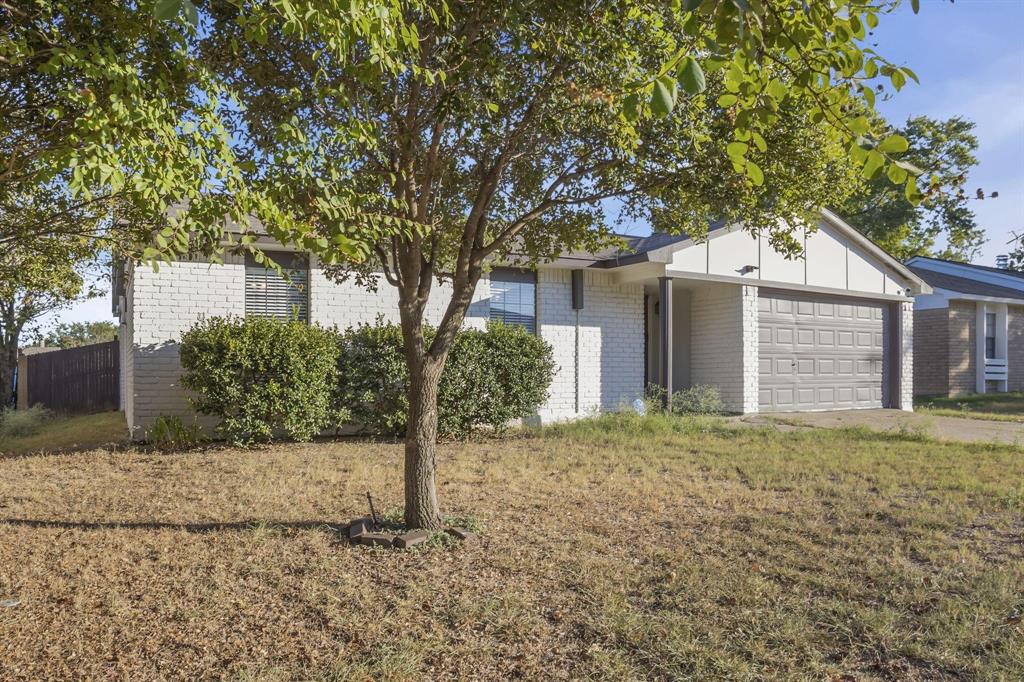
[[990, 336], [268, 294], [513, 294]]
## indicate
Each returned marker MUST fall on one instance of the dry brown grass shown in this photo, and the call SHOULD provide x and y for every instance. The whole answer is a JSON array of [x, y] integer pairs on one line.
[[625, 549], [1007, 407]]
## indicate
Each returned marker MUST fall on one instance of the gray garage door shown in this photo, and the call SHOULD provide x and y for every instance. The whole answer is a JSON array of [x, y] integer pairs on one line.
[[820, 353]]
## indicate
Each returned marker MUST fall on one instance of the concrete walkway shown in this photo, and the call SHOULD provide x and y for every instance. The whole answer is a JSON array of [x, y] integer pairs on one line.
[[943, 428]]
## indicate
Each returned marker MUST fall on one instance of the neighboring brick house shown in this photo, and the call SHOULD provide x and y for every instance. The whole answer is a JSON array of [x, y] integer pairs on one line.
[[970, 329], [829, 331]]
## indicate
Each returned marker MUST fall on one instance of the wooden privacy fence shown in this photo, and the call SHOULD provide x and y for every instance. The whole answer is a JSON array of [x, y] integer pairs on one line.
[[79, 380]]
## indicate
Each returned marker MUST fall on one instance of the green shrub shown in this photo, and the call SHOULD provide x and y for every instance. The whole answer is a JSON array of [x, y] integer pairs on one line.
[[700, 399], [28, 422], [491, 378], [372, 378], [261, 376], [171, 433]]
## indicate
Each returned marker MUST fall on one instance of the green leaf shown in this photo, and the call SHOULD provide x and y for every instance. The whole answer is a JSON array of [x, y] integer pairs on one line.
[[898, 79], [727, 100], [662, 101], [755, 173], [691, 77], [873, 163], [631, 107], [869, 95], [759, 141], [915, 5], [859, 125], [736, 150], [911, 193], [691, 5], [776, 90], [165, 10], [894, 144], [896, 174]]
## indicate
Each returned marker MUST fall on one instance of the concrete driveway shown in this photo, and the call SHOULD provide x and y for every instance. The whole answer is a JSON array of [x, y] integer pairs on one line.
[[943, 428]]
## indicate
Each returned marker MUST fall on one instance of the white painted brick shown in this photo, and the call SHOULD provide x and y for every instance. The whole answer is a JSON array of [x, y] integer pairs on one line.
[[161, 306], [907, 349], [610, 325], [724, 343]]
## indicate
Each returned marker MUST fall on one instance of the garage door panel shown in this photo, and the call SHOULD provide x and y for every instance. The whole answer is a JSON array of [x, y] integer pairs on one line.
[[820, 354]]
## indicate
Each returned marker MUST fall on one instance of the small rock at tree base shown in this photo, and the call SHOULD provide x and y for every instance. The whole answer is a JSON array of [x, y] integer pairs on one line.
[[376, 539], [462, 534], [358, 527], [412, 538]]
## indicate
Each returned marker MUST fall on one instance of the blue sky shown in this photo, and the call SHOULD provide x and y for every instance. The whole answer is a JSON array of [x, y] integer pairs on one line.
[[970, 58]]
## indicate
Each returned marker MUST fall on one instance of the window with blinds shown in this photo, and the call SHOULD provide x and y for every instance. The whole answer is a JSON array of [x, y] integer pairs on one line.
[[514, 297], [268, 294]]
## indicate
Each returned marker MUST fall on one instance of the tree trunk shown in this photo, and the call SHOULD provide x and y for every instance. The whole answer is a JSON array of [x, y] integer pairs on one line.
[[10, 332], [8, 361], [421, 508]]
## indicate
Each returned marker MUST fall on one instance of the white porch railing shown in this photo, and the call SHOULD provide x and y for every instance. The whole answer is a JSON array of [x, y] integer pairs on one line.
[[996, 369]]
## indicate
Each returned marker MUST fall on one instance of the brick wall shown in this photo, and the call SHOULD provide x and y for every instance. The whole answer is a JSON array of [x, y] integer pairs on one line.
[[931, 352], [164, 305], [608, 333], [719, 337], [962, 321], [161, 306], [908, 334], [346, 304], [1015, 347], [751, 349]]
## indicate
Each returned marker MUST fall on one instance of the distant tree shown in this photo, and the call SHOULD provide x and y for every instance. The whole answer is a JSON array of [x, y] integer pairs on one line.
[[41, 274], [1016, 257], [74, 334], [944, 150]]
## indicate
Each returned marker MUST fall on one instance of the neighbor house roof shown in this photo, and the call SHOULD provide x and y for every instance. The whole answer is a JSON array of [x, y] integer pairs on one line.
[[970, 280], [916, 261]]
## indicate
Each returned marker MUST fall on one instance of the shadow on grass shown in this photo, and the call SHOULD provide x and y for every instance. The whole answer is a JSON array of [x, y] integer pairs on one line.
[[201, 528]]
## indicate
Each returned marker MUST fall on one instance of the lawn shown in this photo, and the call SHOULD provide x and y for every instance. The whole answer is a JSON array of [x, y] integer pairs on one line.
[[620, 548], [70, 433], [994, 406]]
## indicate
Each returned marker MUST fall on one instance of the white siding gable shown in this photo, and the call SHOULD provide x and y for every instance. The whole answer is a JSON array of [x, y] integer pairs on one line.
[[830, 261]]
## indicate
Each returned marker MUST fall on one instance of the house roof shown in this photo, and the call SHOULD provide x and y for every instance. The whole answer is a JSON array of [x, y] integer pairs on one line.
[[967, 285], [970, 266]]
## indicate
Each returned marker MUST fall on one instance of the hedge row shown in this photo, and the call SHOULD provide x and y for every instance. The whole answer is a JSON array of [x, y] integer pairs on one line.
[[263, 377]]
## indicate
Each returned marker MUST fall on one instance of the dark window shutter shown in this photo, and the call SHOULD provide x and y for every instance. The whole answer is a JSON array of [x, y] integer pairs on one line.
[[268, 294]]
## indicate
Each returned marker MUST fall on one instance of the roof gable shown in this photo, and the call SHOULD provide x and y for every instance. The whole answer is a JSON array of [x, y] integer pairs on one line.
[[662, 248]]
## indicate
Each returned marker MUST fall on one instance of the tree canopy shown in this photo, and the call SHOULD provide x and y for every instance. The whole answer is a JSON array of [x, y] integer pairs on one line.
[[942, 224], [75, 334]]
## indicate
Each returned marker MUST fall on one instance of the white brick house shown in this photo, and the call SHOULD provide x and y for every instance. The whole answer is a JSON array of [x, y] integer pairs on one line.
[[831, 330]]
